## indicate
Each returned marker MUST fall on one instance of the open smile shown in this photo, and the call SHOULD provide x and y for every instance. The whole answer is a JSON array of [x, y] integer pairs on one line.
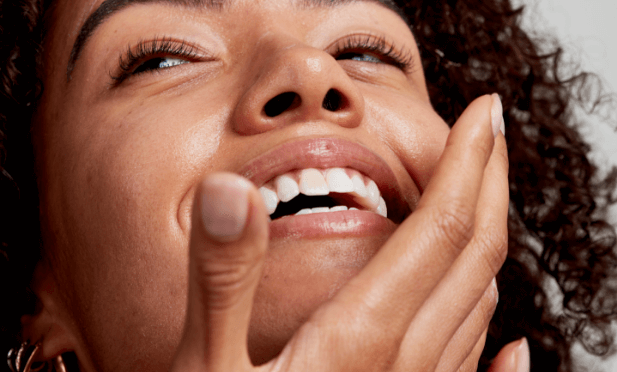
[[313, 187], [321, 191]]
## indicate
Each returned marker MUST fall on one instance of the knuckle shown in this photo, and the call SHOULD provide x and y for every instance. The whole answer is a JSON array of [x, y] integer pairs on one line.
[[483, 149], [454, 223], [223, 283], [493, 247], [502, 160]]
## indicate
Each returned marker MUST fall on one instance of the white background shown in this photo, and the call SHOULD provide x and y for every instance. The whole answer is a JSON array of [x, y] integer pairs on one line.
[[588, 31]]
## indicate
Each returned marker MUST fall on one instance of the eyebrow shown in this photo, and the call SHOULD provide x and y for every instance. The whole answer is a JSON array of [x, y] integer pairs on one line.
[[110, 7]]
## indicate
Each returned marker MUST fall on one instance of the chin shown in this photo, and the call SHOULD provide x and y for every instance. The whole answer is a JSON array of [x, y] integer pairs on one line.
[[298, 277]]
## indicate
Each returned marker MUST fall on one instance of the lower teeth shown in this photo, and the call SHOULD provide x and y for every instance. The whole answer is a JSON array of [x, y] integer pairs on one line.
[[324, 209]]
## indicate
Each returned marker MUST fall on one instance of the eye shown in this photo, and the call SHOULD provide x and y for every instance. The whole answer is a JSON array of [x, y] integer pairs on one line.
[[372, 49], [159, 63], [362, 57], [155, 55]]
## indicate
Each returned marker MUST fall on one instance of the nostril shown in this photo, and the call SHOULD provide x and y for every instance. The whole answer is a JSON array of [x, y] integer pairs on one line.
[[281, 103], [333, 101]]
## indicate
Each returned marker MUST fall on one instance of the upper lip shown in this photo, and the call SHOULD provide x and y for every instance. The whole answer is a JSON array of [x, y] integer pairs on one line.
[[327, 153]]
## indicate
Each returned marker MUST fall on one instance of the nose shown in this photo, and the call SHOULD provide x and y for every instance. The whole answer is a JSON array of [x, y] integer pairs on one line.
[[298, 84]]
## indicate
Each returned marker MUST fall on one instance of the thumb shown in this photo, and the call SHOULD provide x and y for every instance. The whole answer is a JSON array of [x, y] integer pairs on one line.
[[514, 357], [229, 238]]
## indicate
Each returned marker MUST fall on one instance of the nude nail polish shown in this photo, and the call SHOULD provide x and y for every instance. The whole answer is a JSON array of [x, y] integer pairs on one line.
[[224, 207], [497, 122], [522, 356]]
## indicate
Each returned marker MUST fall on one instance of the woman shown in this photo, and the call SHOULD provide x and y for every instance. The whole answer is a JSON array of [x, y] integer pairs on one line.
[[124, 119]]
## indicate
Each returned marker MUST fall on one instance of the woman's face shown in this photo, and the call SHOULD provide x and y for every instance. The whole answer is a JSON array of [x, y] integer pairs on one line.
[[122, 144]]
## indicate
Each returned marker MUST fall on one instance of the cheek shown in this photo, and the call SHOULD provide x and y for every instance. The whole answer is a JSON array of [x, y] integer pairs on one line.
[[413, 131], [115, 187]]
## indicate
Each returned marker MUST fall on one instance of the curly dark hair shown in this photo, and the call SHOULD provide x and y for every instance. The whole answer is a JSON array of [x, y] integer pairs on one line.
[[558, 285]]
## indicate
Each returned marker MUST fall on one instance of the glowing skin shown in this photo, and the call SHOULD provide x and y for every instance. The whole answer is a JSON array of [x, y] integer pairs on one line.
[[119, 163]]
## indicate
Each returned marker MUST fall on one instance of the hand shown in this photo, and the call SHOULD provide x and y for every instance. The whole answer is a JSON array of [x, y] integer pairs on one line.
[[383, 319]]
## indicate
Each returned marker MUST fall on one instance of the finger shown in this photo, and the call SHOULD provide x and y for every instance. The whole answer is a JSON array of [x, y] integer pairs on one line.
[[514, 357], [374, 310], [228, 243], [471, 363], [465, 347], [466, 282]]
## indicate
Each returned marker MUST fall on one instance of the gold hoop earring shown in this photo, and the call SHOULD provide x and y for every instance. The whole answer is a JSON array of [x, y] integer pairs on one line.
[[22, 359]]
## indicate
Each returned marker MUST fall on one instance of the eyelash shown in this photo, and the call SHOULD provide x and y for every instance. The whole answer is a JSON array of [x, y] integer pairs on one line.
[[379, 45], [145, 51]]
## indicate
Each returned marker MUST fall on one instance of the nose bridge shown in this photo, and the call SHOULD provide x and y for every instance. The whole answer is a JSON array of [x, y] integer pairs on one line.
[[297, 83]]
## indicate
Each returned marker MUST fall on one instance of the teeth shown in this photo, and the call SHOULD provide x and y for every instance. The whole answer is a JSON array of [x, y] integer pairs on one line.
[[358, 186], [312, 183], [321, 210], [286, 188], [382, 209], [339, 181], [373, 193], [270, 199]]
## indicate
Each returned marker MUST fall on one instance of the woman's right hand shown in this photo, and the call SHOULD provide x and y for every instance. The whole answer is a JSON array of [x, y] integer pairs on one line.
[[423, 303]]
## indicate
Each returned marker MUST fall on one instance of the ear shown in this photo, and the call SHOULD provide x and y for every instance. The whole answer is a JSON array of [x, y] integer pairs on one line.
[[50, 324]]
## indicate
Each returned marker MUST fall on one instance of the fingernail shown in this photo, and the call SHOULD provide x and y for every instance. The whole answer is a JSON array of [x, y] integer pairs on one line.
[[522, 356], [224, 206], [497, 116]]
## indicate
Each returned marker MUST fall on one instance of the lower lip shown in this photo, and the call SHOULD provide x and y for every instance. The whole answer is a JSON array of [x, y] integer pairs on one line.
[[331, 224]]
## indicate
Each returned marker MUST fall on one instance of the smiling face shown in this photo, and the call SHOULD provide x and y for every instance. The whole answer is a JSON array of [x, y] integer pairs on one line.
[[162, 94]]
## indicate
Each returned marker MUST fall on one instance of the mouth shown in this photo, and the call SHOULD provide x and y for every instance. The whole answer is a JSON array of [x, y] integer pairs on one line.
[[322, 176], [310, 191]]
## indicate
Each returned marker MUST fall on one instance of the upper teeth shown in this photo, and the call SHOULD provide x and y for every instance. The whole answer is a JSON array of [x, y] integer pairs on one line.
[[313, 182]]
